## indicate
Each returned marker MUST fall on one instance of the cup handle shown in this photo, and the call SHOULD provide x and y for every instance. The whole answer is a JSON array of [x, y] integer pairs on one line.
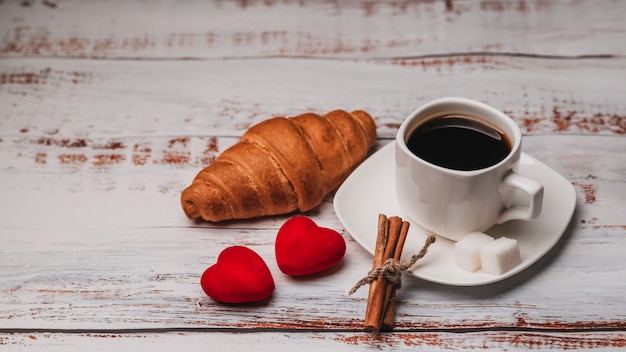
[[532, 188]]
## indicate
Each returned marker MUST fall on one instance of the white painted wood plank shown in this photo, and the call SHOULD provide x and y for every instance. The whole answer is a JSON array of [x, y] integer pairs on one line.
[[150, 279], [138, 279], [218, 29], [34, 190], [85, 101], [315, 341]]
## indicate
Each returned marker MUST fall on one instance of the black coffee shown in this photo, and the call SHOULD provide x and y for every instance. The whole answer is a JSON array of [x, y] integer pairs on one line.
[[459, 142]]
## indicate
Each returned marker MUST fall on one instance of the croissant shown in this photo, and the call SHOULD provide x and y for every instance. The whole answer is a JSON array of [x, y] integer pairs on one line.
[[281, 165]]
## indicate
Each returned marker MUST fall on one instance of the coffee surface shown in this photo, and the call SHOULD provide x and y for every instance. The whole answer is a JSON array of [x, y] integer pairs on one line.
[[459, 143]]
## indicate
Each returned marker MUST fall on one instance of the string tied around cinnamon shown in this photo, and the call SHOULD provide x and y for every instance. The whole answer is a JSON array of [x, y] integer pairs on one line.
[[391, 270]]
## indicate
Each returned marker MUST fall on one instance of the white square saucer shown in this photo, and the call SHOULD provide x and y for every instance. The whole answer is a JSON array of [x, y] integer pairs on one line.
[[369, 191]]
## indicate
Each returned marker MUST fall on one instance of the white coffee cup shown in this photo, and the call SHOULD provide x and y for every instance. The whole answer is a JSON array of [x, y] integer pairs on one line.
[[454, 203]]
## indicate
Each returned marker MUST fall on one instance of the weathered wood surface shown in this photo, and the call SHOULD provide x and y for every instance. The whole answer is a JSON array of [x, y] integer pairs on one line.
[[108, 110], [140, 29], [316, 341]]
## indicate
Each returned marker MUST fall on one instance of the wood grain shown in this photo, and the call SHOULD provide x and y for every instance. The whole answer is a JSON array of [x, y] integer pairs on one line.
[[69, 102], [109, 109], [339, 341], [194, 29]]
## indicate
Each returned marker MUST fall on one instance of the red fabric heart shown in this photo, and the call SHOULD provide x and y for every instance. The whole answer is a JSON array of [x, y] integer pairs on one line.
[[240, 275], [303, 248]]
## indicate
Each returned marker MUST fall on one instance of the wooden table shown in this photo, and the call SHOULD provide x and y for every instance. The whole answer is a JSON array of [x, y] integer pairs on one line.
[[108, 109]]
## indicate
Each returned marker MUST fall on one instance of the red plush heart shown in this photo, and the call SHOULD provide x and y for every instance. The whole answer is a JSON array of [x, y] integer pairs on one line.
[[240, 275], [303, 248]]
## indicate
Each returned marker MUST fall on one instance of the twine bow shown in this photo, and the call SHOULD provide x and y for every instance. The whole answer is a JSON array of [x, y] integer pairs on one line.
[[391, 270]]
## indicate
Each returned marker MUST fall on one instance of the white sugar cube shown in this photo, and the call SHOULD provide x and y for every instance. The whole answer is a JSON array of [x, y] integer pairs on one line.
[[467, 250], [500, 256]]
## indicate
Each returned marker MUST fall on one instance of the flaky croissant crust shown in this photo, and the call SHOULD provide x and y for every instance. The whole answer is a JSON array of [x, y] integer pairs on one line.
[[281, 165]]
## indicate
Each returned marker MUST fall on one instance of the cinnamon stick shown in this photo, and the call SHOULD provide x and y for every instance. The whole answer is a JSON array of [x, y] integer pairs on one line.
[[395, 225], [374, 301]]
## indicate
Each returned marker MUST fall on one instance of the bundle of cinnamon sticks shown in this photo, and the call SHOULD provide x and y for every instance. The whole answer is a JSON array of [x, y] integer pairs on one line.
[[380, 311], [386, 275]]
